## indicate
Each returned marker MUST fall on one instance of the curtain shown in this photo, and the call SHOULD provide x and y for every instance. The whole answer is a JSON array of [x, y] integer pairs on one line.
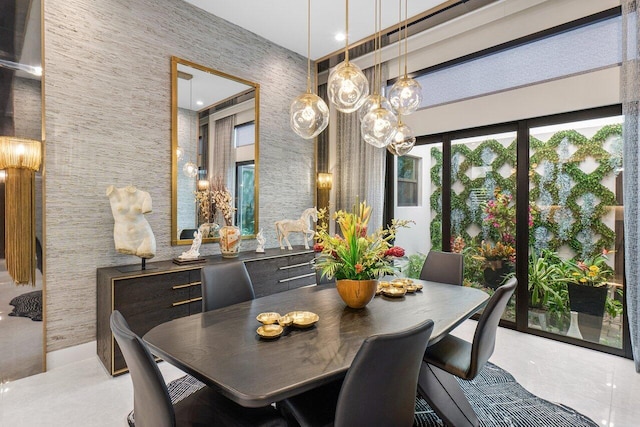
[[223, 162], [630, 96], [360, 167]]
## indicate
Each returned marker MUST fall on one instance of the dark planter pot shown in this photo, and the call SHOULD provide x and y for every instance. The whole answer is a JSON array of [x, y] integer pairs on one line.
[[589, 302], [495, 273]]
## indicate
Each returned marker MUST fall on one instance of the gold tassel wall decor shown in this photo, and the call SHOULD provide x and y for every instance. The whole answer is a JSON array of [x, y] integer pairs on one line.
[[20, 158]]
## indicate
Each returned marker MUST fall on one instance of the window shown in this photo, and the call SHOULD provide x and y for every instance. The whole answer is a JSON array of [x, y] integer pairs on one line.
[[408, 180], [244, 134]]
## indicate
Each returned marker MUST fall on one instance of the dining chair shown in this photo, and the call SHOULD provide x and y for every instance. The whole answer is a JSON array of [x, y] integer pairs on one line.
[[453, 356], [443, 267], [225, 284], [379, 388], [151, 401]]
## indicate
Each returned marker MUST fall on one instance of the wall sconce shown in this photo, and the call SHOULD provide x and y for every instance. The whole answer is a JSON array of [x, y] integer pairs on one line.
[[20, 158], [325, 181]]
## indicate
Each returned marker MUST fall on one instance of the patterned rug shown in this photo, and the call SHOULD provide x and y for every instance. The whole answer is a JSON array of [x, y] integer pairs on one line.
[[499, 400]]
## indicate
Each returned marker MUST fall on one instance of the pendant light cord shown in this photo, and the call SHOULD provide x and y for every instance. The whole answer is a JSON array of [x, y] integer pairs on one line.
[[309, 46], [346, 35], [406, 36]]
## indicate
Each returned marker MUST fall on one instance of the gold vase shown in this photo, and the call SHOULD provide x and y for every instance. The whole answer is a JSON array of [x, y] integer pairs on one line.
[[356, 293]]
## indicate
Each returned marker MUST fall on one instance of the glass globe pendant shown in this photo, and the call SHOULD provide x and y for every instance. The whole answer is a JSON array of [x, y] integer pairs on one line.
[[405, 95], [179, 152], [347, 86], [308, 114], [372, 102], [378, 127], [403, 140], [190, 169]]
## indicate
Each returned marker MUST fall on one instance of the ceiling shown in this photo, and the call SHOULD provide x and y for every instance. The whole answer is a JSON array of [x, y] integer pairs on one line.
[[284, 22]]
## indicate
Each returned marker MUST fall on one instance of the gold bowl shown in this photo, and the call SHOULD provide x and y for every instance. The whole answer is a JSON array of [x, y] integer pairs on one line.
[[384, 284], [268, 318], [418, 286], [270, 331], [285, 321], [394, 292], [303, 319], [411, 288]]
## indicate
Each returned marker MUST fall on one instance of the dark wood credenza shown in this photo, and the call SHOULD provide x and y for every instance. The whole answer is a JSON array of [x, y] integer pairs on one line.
[[167, 291]]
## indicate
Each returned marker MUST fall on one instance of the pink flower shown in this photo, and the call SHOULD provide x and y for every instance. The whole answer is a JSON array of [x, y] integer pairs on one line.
[[317, 247], [395, 251]]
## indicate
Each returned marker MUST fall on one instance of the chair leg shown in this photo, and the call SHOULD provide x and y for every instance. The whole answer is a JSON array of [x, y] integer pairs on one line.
[[443, 393]]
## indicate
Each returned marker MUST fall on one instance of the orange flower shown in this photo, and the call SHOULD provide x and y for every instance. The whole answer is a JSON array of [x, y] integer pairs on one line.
[[358, 268]]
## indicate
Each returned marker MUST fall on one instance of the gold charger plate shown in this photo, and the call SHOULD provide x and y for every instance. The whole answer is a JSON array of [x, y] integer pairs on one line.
[[268, 318], [394, 292], [303, 319], [270, 331]]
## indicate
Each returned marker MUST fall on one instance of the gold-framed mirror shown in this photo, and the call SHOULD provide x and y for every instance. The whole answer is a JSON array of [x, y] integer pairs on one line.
[[214, 139]]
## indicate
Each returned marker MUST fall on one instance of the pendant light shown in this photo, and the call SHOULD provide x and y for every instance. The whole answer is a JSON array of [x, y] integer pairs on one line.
[[406, 93], [309, 114], [347, 86], [403, 139], [379, 123]]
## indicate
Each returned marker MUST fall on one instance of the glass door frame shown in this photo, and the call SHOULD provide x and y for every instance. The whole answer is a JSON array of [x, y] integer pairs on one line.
[[522, 199]]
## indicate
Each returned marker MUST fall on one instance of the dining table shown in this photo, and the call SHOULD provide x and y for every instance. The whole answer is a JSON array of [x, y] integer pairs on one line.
[[222, 349]]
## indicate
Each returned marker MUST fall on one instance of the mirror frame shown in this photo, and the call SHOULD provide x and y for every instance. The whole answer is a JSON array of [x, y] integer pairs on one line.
[[175, 240]]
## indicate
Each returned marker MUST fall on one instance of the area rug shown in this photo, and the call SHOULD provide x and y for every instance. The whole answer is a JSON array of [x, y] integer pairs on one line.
[[499, 400], [28, 305]]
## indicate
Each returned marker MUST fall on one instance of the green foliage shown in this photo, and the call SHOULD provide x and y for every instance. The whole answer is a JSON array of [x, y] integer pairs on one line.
[[414, 267], [546, 281], [613, 306]]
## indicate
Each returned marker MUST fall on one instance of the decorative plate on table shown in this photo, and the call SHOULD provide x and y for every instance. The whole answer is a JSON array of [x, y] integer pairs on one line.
[[270, 331], [268, 318], [303, 319]]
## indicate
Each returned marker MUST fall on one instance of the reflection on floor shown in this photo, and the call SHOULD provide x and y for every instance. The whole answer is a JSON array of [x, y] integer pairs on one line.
[[601, 386], [20, 337]]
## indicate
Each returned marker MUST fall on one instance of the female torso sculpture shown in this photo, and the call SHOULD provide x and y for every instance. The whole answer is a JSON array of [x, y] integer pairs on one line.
[[131, 232]]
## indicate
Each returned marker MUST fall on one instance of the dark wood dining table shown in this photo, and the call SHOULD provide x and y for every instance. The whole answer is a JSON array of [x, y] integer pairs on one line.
[[222, 349]]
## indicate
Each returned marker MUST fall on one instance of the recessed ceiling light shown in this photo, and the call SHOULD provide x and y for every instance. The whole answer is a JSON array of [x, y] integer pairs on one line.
[[340, 37], [199, 103]]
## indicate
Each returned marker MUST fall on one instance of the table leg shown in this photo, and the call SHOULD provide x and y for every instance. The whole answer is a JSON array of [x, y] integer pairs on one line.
[[445, 396]]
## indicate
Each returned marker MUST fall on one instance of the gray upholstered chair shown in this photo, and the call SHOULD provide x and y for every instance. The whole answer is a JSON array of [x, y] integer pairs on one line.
[[452, 356], [152, 404], [443, 267], [378, 390], [224, 284]]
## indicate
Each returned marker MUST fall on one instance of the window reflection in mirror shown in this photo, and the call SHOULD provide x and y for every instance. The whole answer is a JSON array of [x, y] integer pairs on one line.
[[214, 138]]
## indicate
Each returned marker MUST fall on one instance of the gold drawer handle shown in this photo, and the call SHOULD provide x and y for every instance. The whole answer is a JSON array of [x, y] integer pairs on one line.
[[188, 285], [286, 267], [188, 301]]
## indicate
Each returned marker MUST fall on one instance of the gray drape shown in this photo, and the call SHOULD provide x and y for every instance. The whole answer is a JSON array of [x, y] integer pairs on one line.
[[360, 167], [223, 162], [630, 96]]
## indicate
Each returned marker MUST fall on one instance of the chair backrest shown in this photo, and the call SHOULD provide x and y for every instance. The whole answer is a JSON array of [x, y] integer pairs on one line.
[[443, 267], [151, 402], [484, 339], [380, 387], [224, 284]]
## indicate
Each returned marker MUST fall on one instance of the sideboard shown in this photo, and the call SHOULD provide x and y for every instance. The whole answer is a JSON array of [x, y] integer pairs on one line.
[[165, 291]]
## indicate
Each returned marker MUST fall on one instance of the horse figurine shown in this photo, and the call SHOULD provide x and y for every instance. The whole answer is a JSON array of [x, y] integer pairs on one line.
[[286, 226]]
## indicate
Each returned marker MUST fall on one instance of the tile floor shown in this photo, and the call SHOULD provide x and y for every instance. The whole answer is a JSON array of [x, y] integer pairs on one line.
[[602, 386]]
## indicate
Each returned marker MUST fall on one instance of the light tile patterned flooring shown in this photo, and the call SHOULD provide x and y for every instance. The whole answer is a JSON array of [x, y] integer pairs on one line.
[[601, 386]]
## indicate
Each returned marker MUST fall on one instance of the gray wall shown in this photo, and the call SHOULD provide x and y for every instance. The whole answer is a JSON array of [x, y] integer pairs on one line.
[[107, 100]]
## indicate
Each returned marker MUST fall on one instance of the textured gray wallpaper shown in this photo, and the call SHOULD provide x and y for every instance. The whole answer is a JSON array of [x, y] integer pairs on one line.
[[107, 100]]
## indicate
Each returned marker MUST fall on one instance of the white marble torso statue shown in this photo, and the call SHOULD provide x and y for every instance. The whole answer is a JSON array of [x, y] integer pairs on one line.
[[132, 233]]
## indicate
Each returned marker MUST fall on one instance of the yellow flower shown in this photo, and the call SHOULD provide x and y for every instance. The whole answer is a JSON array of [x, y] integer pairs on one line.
[[583, 280], [592, 274], [575, 273], [594, 268]]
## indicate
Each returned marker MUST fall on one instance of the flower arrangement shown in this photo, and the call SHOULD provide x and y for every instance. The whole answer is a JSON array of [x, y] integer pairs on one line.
[[592, 271], [500, 216], [216, 198], [488, 252], [356, 255]]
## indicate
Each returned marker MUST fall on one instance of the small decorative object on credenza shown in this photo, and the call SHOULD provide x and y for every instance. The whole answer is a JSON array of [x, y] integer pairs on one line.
[[193, 254], [356, 260], [131, 232], [261, 241], [301, 225]]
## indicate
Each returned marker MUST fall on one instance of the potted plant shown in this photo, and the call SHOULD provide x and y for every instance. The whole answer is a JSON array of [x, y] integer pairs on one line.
[[356, 259], [498, 260], [587, 286]]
